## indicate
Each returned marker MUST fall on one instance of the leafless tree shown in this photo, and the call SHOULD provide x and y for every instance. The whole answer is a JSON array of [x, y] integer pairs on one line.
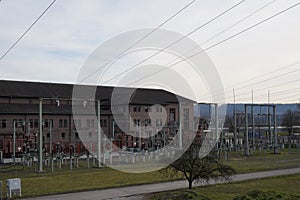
[[199, 169]]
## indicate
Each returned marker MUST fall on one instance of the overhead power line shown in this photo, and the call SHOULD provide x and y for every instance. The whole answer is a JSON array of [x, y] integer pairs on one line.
[[281, 92], [226, 29], [220, 42], [139, 40], [27, 30], [238, 22], [265, 88], [261, 81], [173, 43]]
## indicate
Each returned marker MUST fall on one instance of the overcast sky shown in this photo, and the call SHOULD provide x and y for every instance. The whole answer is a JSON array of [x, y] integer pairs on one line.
[[55, 49]]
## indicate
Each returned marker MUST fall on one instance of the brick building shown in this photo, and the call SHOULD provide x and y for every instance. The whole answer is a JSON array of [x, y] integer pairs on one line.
[[19, 106]]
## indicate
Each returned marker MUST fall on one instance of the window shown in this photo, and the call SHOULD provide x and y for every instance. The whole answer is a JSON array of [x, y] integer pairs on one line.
[[48, 135], [18, 123], [76, 135], [137, 122], [103, 122], [92, 123], [147, 122], [46, 123], [77, 123], [172, 114], [147, 108], [63, 135], [65, 123], [36, 123], [3, 123], [90, 134], [51, 123], [60, 123], [186, 114], [159, 122], [136, 108], [158, 108], [31, 122]]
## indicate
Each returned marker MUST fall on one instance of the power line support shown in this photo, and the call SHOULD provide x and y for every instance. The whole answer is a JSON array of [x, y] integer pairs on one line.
[[98, 135], [246, 136], [179, 126], [253, 128], [234, 123], [275, 130], [41, 135]]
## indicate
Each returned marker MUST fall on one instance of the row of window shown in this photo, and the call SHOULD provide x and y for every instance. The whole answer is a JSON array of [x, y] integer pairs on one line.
[[62, 123], [137, 122], [63, 135], [147, 108]]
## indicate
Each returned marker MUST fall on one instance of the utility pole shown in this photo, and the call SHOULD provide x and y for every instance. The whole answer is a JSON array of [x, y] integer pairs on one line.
[[234, 123], [269, 120], [246, 140], [140, 135], [217, 121], [275, 130], [98, 135], [253, 127], [41, 135], [113, 130], [179, 126], [50, 149], [14, 143]]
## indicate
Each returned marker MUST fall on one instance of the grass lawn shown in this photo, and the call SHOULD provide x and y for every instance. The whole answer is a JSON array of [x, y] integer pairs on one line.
[[262, 161], [82, 179], [283, 185]]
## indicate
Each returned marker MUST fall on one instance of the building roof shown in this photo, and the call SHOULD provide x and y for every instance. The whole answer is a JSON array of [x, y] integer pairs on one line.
[[22, 89]]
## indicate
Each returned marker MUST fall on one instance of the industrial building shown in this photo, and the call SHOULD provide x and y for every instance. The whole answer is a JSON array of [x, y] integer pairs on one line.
[[20, 125]]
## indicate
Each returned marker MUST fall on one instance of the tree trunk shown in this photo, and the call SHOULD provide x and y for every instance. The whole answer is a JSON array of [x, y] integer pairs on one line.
[[190, 184]]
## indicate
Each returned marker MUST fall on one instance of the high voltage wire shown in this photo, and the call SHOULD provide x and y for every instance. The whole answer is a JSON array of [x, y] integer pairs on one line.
[[138, 41], [266, 74], [269, 79], [282, 92], [181, 38], [259, 76], [285, 98], [27, 30], [261, 81], [288, 97], [238, 22], [293, 81], [228, 28], [222, 41]]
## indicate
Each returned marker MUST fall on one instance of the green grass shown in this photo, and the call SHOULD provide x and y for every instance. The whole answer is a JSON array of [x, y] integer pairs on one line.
[[64, 181], [263, 161], [285, 186], [83, 179]]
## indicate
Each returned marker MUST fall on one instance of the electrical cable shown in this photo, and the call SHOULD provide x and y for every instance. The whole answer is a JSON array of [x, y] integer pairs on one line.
[[181, 38], [222, 41], [139, 40], [27, 30]]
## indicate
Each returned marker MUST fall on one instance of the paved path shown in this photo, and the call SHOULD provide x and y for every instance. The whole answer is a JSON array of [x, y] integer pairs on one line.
[[119, 193]]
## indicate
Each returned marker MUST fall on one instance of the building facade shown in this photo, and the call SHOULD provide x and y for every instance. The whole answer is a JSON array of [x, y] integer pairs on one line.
[[20, 125]]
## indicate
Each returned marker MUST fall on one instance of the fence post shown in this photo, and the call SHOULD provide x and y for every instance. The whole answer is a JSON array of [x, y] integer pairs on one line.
[[0, 190]]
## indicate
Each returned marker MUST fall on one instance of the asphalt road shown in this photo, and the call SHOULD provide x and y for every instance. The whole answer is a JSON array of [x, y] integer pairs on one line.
[[133, 192]]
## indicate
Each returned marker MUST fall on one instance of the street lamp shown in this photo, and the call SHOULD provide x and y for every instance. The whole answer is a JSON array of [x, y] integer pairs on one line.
[[14, 143]]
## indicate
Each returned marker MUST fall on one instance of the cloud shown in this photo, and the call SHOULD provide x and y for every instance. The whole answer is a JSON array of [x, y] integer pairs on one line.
[[59, 43]]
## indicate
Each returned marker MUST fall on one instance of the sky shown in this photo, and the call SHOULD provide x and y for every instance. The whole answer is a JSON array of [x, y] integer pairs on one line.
[[57, 47]]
